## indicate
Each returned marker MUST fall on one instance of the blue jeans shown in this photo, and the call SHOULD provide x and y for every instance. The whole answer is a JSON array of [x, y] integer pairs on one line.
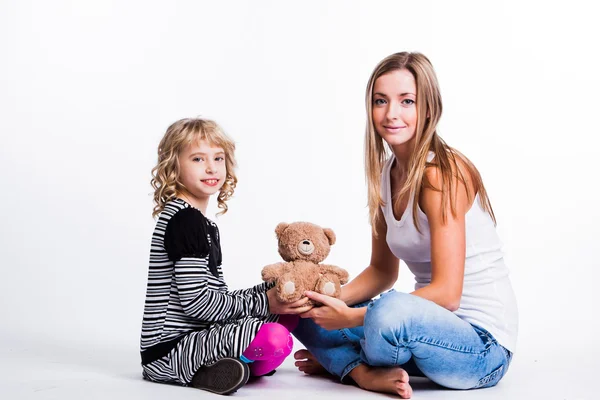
[[416, 334]]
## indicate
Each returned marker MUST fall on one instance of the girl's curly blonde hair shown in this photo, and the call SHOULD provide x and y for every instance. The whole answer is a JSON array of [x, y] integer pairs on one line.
[[182, 133]]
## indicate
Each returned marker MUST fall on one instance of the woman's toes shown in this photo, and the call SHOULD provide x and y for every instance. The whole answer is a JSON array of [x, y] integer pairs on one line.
[[404, 376], [404, 390]]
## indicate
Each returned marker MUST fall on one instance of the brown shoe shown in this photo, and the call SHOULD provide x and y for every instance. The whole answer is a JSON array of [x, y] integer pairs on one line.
[[223, 377]]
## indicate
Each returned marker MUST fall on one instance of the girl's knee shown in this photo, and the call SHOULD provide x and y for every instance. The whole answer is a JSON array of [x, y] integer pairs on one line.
[[275, 330], [279, 337], [272, 340]]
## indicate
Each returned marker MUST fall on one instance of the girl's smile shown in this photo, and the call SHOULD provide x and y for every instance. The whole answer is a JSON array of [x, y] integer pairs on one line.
[[210, 182]]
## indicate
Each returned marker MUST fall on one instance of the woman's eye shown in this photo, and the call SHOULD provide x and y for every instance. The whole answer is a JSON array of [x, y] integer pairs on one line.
[[378, 102], [408, 102], [197, 159], [220, 159]]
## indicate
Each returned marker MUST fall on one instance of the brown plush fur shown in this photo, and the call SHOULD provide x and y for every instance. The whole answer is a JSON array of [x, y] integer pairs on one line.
[[304, 246]]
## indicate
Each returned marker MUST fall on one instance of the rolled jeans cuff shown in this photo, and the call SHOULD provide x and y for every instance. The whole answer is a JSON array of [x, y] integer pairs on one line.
[[349, 369]]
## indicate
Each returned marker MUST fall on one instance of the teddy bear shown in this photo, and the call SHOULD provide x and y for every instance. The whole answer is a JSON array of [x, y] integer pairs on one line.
[[303, 246]]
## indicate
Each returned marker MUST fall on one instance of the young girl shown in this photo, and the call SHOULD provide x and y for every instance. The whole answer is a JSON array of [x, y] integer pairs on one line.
[[429, 208], [195, 331]]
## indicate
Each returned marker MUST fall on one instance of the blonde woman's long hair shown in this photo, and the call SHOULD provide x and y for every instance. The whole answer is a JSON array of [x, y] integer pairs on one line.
[[429, 111], [165, 175]]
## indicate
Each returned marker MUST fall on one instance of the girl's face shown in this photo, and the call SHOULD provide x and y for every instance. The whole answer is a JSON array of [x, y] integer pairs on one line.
[[202, 169], [394, 107]]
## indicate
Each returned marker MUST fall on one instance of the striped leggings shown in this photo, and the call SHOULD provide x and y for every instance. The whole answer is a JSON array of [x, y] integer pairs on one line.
[[271, 343]]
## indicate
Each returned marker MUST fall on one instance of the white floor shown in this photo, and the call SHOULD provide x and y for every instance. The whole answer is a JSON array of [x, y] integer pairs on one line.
[[53, 371]]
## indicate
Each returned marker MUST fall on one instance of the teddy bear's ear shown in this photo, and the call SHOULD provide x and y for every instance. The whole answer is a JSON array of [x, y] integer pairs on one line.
[[330, 235], [280, 228]]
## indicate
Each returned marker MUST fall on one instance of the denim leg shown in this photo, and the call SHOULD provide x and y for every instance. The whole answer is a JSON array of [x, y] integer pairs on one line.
[[338, 350], [448, 350]]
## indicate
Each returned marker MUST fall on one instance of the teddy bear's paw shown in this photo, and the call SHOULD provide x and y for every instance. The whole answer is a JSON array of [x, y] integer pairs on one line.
[[289, 288], [288, 291], [328, 288]]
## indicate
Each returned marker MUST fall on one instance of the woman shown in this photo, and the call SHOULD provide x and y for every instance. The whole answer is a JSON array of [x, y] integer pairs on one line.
[[428, 207]]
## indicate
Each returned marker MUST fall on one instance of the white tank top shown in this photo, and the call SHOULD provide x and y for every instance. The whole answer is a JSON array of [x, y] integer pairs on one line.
[[488, 300]]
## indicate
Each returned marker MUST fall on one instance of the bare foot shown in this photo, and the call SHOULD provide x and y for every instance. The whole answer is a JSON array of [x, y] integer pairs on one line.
[[308, 364], [389, 380]]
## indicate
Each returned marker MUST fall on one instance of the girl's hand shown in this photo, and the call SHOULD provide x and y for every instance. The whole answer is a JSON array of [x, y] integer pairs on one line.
[[277, 307], [334, 313]]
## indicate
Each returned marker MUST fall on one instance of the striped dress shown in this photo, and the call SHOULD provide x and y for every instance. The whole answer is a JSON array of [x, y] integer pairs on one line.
[[191, 319]]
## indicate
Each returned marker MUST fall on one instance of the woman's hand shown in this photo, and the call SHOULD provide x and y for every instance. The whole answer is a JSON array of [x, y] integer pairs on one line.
[[277, 307], [334, 313]]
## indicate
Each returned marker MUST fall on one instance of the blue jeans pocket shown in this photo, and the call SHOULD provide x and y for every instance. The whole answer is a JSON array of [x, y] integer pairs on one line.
[[496, 375], [491, 379]]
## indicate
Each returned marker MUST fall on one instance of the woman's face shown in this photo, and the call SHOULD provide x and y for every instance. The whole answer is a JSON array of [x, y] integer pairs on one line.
[[394, 108]]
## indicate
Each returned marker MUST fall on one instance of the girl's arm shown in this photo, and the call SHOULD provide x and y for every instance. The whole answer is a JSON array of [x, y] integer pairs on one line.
[[448, 243], [199, 300], [202, 294]]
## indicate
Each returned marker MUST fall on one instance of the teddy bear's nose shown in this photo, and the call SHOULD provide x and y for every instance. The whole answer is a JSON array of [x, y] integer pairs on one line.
[[306, 247]]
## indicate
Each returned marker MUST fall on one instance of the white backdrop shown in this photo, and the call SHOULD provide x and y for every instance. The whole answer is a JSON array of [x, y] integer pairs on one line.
[[87, 88]]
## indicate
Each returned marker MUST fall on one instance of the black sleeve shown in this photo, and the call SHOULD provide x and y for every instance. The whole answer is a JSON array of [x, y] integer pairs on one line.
[[215, 248], [185, 235]]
